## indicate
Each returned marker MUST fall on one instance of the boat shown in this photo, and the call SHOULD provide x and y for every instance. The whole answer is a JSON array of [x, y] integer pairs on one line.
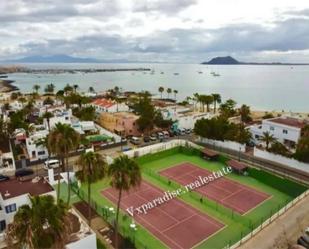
[[200, 72], [162, 72], [176, 73]]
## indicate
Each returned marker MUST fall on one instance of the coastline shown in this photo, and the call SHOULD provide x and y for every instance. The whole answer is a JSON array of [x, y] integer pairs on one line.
[[6, 86]]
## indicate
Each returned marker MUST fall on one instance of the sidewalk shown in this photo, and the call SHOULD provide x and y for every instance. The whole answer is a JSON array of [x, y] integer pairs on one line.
[[284, 231]]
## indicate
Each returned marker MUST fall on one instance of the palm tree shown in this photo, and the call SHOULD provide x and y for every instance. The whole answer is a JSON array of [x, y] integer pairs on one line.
[[61, 140], [208, 100], [68, 88], [92, 168], [50, 88], [91, 89], [125, 173], [196, 99], [43, 224], [48, 116], [75, 88], [36, 88], [267, 138], [169, 91], [175, 93], [217, 99], [161, 90]]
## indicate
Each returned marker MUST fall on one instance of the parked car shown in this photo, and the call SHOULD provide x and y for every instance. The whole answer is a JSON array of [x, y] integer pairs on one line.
[[302, 242], [166, 134], [182, 131], [4, 178], [188, 131], [171, 133], [160, 135], [23, 172], [51, 164], [153, 137], [146, 139], [135, 140]]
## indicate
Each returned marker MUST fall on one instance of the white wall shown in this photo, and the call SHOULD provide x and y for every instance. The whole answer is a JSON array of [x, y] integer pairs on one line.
[[290, 162], [224, 144], [108, 133], [89, 242]]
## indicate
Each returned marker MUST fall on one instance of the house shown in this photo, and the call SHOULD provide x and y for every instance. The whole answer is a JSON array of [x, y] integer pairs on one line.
[[184, 117], [7, 163], [107, 105], [14, 193], [121, 123], [83, 127], [62, 116], [36, 150], [286, 130]]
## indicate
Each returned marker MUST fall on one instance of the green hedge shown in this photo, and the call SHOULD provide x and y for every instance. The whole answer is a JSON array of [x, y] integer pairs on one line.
[[284, 185]]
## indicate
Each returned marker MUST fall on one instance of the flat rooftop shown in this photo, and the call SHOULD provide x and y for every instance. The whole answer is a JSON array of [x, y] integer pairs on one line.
[[293, 122], [16, 188]]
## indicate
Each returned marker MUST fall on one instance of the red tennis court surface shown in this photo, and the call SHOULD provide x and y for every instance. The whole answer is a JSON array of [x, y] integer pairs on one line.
[[229, 193], [175, 223]]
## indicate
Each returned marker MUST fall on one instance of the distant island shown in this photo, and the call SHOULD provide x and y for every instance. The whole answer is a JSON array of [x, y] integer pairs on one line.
[[228, 60]]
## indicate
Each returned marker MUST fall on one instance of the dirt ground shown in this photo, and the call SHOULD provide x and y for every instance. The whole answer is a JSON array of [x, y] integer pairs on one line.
[[284, 231]]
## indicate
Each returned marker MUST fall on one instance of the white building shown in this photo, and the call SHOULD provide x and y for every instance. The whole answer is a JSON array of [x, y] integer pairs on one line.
[[286, 130], [107, 105], [184, 116], [14, 193], [36, 150], [7, 162], [84, 126], [60, 116]]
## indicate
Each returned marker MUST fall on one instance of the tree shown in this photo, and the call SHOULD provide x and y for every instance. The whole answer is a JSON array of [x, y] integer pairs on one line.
[[68, 88], [302, 148], [268, 139], [196, 99], [161, 90], [244, 112], [91, 89], [75, 88], [61, 140], [208, 100], [36, 88], [279, 148], [175, 93], [92, 168], [227, 109], [48, 101], [169, 91], [50, 88], [85, 113], [217, 100], [43, 224], [48, 116], [125, 174]]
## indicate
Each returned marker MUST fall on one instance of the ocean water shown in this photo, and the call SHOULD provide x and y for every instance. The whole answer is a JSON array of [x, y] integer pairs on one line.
[[261, 87]]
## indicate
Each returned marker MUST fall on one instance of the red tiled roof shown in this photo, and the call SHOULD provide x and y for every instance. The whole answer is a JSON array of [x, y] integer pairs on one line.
[[210, 153], [289, 122], [106, 103], [17, 188], [236, 165]]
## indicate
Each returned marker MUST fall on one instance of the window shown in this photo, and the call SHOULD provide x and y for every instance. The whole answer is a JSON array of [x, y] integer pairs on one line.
[[272, 128], [285, 131], [41, 152], [2, 225], [10, 208], [257, 136]]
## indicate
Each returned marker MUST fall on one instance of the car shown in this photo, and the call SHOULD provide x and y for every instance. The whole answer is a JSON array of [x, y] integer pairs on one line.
[[135, 140], [23, 172], [153, 137], [160, 135], [171, 133], [188, 131], [4, 178], [146, 139], [181, 131], [166, 134], [302, 242], [51, 164]]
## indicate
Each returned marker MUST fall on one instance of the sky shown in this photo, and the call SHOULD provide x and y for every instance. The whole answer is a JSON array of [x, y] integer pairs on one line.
[[186, 31]]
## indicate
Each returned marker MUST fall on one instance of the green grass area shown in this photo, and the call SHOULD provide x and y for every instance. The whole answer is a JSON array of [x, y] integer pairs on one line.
[[236, 227]]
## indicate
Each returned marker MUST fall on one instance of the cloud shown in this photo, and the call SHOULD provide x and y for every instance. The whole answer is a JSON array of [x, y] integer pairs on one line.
[[162, 6]]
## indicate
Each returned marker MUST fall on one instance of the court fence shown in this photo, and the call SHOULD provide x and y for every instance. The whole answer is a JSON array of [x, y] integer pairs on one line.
[[268, 221]]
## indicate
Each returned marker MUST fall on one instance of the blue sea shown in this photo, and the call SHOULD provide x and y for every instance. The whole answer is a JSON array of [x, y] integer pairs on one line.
[[261, 87]]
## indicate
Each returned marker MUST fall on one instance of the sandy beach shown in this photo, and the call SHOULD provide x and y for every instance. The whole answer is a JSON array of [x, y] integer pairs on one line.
[[6, 86]]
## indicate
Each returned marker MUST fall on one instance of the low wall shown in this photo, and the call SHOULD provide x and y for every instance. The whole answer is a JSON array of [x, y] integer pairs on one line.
[[151, 149], [108, 133], [223, 144], [290, 162]]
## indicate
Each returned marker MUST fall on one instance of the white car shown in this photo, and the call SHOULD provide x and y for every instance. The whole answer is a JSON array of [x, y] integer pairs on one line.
[[51, 164]]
